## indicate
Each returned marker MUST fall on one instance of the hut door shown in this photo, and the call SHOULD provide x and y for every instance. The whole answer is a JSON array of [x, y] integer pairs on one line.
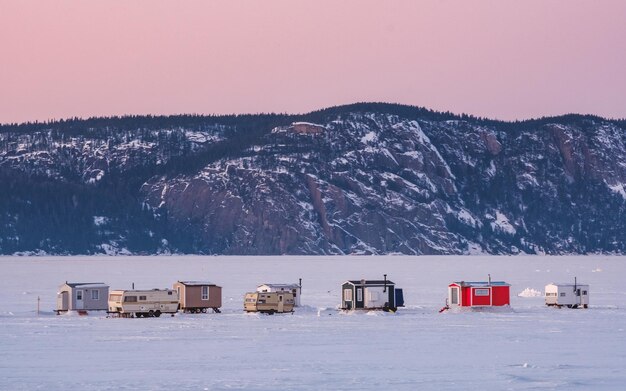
[[79, 300], [454, 296], [281, 304]]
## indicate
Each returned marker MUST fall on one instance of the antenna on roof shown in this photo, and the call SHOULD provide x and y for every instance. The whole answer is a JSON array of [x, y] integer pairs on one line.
[[385, 286]]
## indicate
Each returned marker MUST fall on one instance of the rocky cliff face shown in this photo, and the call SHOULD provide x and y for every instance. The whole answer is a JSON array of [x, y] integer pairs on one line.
[[359, 179]]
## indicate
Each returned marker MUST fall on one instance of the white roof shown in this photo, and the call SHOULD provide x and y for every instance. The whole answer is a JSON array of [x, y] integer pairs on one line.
[[281, 285], [92, 286], [86, 285], [567, 284]]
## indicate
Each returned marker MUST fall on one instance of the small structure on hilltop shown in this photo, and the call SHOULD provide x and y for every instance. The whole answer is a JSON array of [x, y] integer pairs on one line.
[[295, 289], [82, 296], [478, 294], [371, 295], [198, 296], [571, 295]]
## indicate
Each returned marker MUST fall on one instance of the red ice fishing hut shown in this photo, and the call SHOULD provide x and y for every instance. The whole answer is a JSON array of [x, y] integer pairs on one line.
[[478, 294]]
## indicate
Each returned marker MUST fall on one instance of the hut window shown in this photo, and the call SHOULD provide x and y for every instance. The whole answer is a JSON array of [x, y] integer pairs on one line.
[[95, 294], [373, 296], [359, 294], [79, 295], [481, 292], [142, 298], [584, 293], [562, 294], [205, 293], [130, 299], [115, 298], [347, 294]]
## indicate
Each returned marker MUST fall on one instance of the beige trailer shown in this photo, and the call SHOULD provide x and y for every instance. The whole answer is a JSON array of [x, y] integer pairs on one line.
[[146, 303], [269, 302], [198, 296]]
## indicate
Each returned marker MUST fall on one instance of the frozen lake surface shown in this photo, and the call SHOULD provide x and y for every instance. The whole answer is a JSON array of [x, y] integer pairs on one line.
[[529, 347]]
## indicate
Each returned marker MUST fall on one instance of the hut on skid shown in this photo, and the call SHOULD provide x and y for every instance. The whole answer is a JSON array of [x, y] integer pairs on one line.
[[371, 295], [82, 296], [296, 289], [571, 295], [198, 296], [478, 294]]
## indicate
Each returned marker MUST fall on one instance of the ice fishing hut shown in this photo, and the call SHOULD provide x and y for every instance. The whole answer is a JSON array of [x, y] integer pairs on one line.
[[198, 296], [371, 295], [82, 296], [296, 289], [571, 295], [478, 294]]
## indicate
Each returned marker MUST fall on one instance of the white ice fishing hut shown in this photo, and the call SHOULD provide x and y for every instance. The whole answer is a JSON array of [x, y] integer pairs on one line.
[[571, 295], [296, 289], [82, 296]]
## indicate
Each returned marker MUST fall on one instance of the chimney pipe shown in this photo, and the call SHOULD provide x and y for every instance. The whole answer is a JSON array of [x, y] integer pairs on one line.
[[300, 283], [133, 286], [575, 284], [385, 287], [489, 276]]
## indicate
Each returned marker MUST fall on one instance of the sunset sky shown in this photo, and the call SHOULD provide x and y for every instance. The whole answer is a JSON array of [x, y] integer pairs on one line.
[[501, 59]]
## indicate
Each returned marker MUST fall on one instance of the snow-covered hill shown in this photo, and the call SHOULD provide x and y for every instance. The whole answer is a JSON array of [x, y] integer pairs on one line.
[[358, 179]]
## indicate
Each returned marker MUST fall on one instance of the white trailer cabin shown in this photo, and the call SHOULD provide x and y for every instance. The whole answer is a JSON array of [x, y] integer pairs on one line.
[[295, 289], [571, 295], [146, 303], [82, 296]]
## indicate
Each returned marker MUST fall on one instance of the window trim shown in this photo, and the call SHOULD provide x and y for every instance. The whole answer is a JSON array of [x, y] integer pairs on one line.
[[482, 292]]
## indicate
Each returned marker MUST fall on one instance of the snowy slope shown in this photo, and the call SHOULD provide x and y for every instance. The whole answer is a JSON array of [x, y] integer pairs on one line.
[[527, 347]]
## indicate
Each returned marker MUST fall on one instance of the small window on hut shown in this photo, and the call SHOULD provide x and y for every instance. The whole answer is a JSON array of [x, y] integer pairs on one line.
[[95, 294], [481, 292], [347, 294], [117, 298], [205, 293], [562, 294], [79, 295], [584, 293], [143, 298], [130, 299], [359, 294]]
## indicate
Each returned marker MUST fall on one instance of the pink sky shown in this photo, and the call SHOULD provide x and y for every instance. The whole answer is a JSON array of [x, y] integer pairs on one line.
[[498, 58]]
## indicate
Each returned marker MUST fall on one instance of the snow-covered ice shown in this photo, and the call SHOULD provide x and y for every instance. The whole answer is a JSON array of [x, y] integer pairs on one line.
[[530, 347]]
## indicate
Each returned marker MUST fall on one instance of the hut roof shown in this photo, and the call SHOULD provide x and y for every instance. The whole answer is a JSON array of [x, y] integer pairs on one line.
[[481, 283], [86, 284], [371, 282], [197, 283], [294, 285]]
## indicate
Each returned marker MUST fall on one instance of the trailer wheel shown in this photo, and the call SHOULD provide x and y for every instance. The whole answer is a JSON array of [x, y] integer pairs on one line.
[[271, 312], [151, 313], [157, 313], [138, 314], [203, 310]]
